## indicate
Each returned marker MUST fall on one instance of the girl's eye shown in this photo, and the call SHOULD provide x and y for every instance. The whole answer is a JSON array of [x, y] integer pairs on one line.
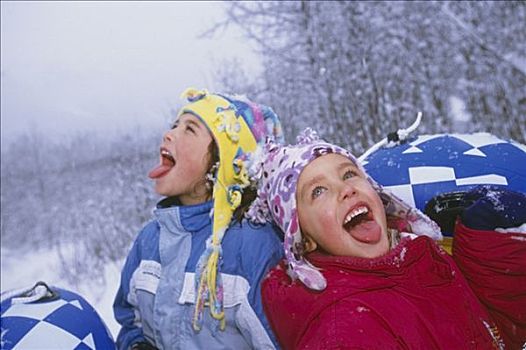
[[175, 125], [317, 191], [190, 129], [349, 174]]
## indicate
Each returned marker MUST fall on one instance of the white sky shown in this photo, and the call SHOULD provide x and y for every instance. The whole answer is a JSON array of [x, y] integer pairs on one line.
[[69, 65]]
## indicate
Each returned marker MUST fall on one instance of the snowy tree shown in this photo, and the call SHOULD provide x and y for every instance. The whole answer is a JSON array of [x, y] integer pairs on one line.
[[88, 193], [358, 70]]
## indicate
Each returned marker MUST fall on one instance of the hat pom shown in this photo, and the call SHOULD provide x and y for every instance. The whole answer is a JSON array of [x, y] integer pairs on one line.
[[193, 94], [255, 164], [258, 212], [307, 136], [259, 157]]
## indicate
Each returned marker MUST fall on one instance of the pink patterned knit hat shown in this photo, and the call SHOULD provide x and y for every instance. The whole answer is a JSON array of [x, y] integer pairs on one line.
[[280, 171]]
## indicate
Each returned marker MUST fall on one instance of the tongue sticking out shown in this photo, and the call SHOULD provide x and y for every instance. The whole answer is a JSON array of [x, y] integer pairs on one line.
[[167, 163], [159, 171], [366, 231]]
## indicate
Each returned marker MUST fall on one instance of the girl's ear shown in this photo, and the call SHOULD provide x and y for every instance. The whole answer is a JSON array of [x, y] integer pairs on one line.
[[309, 244]]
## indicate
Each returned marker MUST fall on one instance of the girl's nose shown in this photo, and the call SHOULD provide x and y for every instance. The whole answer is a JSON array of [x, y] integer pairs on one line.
[[347, 190], [168, 136]]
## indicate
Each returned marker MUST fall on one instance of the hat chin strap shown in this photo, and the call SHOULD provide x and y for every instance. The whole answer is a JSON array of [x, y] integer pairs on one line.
[[308, 274]]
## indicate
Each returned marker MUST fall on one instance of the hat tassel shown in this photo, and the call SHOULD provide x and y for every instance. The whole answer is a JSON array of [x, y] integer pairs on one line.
[[210, 287]]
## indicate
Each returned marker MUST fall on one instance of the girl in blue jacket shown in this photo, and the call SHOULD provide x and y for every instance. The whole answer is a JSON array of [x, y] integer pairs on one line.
[[192, 278]]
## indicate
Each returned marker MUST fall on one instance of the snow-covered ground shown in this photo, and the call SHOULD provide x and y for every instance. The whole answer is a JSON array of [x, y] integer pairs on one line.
[[20, 269]]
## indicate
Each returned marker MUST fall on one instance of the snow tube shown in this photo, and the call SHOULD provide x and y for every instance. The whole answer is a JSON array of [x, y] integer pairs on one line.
[[432, 172], [45, 317]]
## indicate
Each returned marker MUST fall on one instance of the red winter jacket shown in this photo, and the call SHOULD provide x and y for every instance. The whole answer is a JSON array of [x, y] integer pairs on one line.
[[494, 265], [412, 298]]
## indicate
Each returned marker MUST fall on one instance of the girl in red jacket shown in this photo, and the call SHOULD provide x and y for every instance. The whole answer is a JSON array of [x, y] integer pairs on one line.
[[362, 270]]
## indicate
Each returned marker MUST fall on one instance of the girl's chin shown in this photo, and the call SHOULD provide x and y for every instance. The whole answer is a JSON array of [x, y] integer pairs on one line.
[[375, 250], [162, 190]]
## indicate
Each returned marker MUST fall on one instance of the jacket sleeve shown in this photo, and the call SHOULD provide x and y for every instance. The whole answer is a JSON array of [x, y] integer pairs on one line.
[[262, 252], [493, 262], [279, 311], [125, 313]]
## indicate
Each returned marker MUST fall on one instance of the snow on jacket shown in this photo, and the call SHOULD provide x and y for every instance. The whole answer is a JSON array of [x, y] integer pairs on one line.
[[494, 264], [155, 300], [412, 298]]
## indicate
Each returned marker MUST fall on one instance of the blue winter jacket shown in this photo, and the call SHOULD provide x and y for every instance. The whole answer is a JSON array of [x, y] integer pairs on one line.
[[155, 300]]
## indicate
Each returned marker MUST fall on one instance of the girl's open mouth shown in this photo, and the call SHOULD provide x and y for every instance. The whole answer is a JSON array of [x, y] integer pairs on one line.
[[360, 224], [166, 164]]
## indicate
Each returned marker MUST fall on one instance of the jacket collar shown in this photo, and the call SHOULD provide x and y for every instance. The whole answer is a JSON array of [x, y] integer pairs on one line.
[[191, 218]]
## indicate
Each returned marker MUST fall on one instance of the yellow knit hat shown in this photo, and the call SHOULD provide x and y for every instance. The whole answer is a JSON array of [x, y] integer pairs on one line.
[[238, 127]]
